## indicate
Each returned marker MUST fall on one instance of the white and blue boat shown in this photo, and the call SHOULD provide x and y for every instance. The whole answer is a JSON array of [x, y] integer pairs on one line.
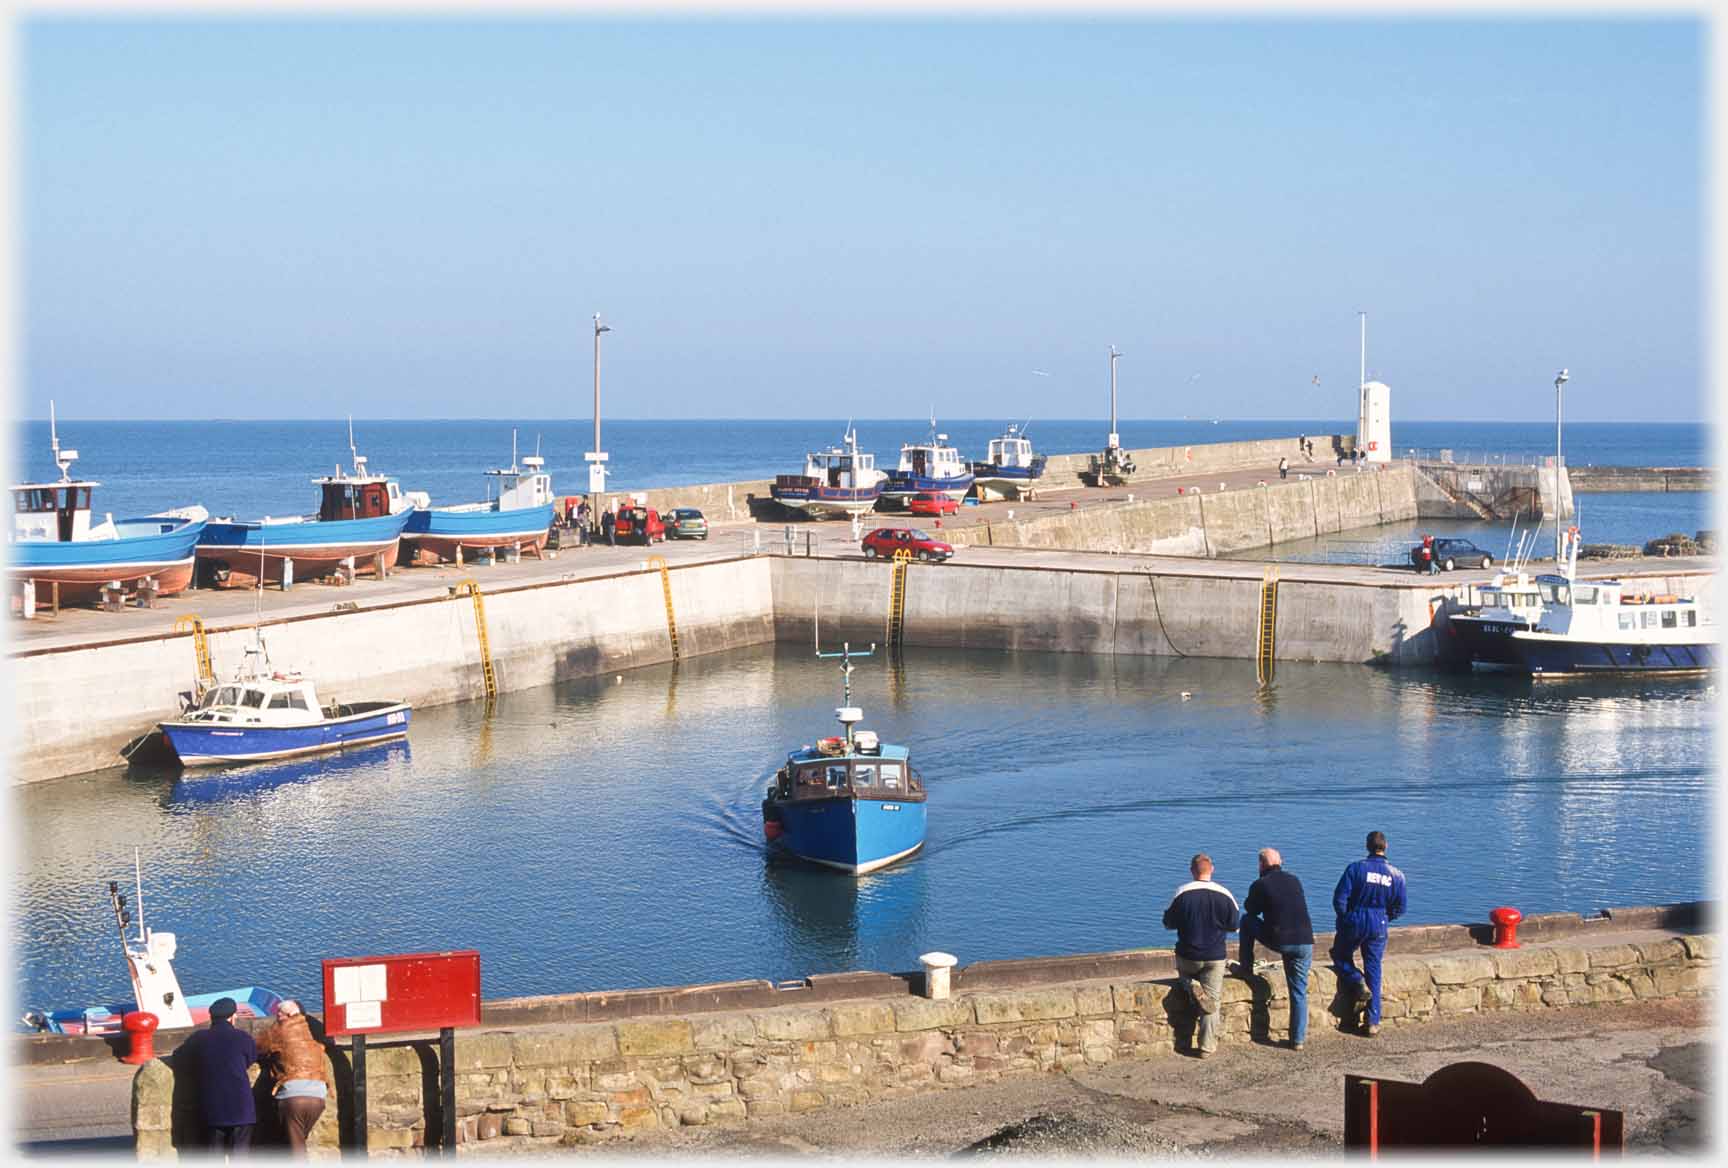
[[155, 989], [53, 539], [1594, 627], [841, 480], [1012, 469], [852, 803], [360, 517], [928, 467], [520, 517], [267, 714]]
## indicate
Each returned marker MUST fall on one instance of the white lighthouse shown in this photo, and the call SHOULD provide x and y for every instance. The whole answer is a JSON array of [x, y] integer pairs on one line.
[[1374, 410]]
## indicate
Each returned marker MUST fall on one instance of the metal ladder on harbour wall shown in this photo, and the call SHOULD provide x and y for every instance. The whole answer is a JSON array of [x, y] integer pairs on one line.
[[897, 597], [666, 587], [200, 646], [1265, 642], [491, 679]]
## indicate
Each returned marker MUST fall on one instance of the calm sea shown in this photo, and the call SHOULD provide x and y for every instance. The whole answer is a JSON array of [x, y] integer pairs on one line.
[[249, 469], [607, 833]]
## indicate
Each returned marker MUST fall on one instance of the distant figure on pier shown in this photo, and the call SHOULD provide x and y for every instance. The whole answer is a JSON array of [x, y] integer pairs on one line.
[[218, 1059], [1203, 914], [1276, 915], [1283, 467], [1369, 896], [608, 527], [1302, 445], [296, 1060], [584, 535]]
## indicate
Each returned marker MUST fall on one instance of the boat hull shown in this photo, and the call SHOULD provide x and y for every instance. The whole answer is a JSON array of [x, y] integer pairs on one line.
[[902, 486], [1486, 643], [441, 531], [821, 501], [249, 1001], [1544, 656], [316, 548], [851, 835], [147, 547], [211, 743]]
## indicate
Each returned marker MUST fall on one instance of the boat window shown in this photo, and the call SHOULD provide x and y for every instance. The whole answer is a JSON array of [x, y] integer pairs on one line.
[[1628, 620], [1689, 618], [279, 702], [864, 775], [1649, 620], [1584, 594], [225, 695], [891, 775], [1491, 599], [297, 701], [1669, 620], [836, 776], [254, 699]]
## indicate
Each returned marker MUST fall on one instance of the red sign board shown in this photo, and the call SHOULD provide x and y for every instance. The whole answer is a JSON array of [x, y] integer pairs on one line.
[[404, 991]]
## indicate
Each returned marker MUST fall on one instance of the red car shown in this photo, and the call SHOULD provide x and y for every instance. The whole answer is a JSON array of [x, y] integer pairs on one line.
[[932, 503], [641, 525], [885, 541]]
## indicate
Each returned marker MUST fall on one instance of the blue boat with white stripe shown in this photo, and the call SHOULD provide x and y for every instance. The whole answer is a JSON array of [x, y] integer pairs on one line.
[[851, 803]]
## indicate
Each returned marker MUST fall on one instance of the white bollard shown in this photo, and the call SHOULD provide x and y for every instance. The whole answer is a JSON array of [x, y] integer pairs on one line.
[[28, 600], [936, 967], [287, 573]]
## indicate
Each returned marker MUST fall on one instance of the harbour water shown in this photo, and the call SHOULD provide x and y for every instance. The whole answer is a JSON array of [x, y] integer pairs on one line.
[[606, 833]]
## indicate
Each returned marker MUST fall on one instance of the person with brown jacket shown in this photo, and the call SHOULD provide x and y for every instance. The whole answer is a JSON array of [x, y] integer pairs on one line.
[[302, 1079]]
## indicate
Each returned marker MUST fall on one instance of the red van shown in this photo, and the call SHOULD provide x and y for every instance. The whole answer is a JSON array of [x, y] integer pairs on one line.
[[641, 525]]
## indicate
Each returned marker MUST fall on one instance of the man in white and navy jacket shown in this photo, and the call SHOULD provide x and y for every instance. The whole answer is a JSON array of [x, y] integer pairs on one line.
[[1203, 914]]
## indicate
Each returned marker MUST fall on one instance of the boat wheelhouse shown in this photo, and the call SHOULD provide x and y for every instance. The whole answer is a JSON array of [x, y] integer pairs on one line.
[[928, 467], [267, 714], [54, 539], [519, 518], [360, 519], [852, 803], [839, 481], [1012, 469], [1511, 602]]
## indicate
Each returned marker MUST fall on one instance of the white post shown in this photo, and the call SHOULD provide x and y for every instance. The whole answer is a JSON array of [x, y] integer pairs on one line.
[[936, 967], [29, 600], [1560, 379], [287, 574]]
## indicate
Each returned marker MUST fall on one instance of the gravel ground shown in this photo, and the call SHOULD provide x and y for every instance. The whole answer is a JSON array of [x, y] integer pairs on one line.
[[1650, 1060]]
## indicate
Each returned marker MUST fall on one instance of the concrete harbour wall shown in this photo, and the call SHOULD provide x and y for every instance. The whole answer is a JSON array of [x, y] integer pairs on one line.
[[525, 1080], [1641, 478]]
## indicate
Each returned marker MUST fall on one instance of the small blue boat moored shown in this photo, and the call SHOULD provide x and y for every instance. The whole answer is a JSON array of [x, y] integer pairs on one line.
[[265, 713], [852, 803]]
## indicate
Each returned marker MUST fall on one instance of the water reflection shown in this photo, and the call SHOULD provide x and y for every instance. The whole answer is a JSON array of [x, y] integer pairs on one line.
[[868, 922], [250, 781]]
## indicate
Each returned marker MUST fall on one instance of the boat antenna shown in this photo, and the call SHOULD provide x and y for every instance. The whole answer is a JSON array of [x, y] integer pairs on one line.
[[138, 878], [512, 448], [846, 654], [1509, 537]]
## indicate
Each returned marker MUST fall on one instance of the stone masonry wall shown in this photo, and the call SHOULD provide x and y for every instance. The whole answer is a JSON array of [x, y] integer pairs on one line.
[[546, 1085]]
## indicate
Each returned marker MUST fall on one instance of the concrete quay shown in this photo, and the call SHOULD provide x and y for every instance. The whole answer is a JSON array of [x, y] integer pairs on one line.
[[745, 1064], [1641, 478]]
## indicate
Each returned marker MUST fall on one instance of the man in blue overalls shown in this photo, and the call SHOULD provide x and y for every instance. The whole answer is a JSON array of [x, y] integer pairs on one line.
[[1369, 895]]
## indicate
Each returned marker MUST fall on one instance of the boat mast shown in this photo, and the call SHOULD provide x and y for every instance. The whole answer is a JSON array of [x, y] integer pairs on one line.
[[138, 885], [847, 713]]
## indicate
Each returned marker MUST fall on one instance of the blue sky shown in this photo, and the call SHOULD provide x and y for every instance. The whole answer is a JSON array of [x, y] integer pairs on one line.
[[395, 218]]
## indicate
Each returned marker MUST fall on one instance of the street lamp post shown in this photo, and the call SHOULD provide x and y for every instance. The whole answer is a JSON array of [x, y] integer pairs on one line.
[[1560, 379], [597, 458], [1113, 440]]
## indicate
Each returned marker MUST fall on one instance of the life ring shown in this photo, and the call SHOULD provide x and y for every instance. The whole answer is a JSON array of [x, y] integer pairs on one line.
[[831, 745]]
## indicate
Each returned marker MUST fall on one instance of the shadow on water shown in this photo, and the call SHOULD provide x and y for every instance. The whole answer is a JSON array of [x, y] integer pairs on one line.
[[178, 787]]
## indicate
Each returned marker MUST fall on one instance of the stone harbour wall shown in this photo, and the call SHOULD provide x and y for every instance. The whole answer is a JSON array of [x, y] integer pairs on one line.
[[592, 1082]]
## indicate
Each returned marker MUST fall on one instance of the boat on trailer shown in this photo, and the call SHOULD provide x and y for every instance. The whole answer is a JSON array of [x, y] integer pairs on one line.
[[1012, 470], [359, 522], [155, 989], [851, 802], [928, 467], [839, 481], [519, 518], [54, 539]]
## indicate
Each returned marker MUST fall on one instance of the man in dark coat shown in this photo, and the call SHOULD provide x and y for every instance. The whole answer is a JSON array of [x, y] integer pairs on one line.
[[1203, 914], [218, 1059], [1276, 915], [1369, 896]]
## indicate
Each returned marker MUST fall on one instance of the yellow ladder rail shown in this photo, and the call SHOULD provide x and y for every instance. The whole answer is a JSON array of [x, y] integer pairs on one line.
[[897, 597], [473, 590], [200, 646], [1266, 645], [666, 587]]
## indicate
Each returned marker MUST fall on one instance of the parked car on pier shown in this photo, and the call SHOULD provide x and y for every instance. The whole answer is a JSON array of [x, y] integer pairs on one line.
[[1451, 554], [933, 503], [885, 541], [686, 523], [641, 525]]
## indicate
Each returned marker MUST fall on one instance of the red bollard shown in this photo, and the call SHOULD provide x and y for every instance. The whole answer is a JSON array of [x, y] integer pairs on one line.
[[1179, 490], [1506, 927], [142, 1027], [1072, 504]]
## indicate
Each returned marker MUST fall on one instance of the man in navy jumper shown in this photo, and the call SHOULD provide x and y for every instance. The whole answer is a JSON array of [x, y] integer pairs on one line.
[[1203, 914], [1369, 895], [219, 1058], [1276, 915]]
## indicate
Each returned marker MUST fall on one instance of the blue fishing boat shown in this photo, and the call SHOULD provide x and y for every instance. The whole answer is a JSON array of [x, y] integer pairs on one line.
[[520, 517], [853, 802], [928, 467], [841, 480], [360, 518], [265, 713], [1012, 469], [54, 540], [155, 989]]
